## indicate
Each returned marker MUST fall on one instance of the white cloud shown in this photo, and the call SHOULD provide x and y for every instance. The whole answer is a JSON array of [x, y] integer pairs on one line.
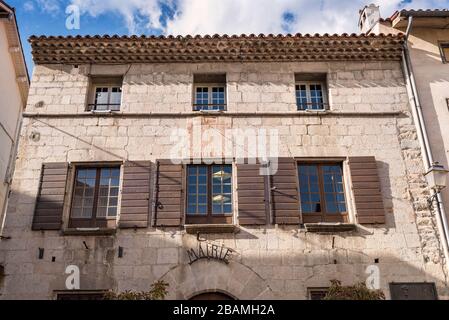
[[49, 6], [137, 14], [244, 16], [28, 6]]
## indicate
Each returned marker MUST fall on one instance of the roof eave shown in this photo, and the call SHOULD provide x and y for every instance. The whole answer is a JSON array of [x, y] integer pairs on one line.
[[18, 58]]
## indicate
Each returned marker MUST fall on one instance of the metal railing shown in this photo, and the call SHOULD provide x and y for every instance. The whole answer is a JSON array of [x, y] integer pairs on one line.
[[312, 106], [209, 107], [108, 107]]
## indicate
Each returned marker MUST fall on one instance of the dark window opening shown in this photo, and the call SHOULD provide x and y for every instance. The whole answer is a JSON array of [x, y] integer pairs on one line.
[[444, 49], [96, 295], [209, 194], [317, 294], [413, 291], [322, 192], [95, 197]]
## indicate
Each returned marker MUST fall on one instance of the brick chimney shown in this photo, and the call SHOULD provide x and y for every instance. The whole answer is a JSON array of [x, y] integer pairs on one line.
[[368, 18]]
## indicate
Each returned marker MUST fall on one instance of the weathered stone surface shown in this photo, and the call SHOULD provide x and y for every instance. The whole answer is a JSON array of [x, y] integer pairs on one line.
[[269, 262]]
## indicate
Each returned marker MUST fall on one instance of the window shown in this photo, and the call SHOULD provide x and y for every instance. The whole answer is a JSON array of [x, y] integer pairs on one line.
[[413, 291], [444, 49], [107, 99], [310, 96], [317, 294], [209, 196], [95, 196], [106, 94], [210, 99], [80, 295], [322, 192], [210, 92], [310, 90]]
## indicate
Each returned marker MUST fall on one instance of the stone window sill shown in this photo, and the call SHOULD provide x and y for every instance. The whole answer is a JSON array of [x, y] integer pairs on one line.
[[324, 227], [88, 232], [211, 228]]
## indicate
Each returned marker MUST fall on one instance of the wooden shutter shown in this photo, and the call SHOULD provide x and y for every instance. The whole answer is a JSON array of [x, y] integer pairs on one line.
[[169, 195], [251, 195], [366, 189], [135, 203], [51, 195], [284, 192]]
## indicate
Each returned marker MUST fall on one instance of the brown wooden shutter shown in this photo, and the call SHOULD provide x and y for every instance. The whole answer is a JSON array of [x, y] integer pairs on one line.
[[135, 203], [366, 190], [251, 195], [169, 195], [285, 193], [51, 195]]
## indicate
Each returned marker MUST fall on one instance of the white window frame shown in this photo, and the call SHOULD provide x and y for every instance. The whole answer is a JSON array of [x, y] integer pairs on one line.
[[94, 88], [309, 97], [209, 87]]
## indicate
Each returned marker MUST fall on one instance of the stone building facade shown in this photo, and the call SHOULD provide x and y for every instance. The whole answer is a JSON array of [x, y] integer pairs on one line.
[[364, 128]]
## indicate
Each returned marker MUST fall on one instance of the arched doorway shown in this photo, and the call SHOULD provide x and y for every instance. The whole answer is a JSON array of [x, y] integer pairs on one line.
[[210, 276], [212, 296]]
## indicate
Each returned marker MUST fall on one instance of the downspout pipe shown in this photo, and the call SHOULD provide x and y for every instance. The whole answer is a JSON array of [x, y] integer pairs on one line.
[[424, 138]]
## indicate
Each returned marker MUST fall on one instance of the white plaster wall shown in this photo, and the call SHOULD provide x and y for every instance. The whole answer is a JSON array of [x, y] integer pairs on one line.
[[10, 108]]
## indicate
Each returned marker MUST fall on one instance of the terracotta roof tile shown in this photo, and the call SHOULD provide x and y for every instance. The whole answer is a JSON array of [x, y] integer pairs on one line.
[[210, 48]]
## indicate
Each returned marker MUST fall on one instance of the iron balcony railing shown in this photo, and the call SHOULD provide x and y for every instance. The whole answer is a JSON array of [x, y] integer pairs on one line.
[[209, 107], [103, 107]]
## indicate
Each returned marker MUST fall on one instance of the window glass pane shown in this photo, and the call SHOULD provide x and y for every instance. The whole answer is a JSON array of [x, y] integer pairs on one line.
[[309, 190], [218, 98], [101, 98], [197, 190], [82, 203], [108, 192], [316, 96], [301, 97], [101, 212], [112, 211], [115, 99], [113, 192], [333, 188], [222, 189], [202, 98], [101, 95]]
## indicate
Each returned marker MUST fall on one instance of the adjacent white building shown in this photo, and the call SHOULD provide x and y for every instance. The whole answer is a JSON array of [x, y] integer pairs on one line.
[[14, 85]]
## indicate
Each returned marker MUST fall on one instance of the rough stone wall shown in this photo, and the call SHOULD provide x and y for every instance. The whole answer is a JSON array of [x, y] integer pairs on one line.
[[269, 262]]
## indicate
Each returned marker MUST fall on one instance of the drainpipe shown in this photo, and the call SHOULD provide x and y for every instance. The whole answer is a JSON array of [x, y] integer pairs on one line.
[[423, 137]]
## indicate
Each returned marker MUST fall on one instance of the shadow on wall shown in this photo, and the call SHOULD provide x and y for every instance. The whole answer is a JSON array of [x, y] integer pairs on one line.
[[429, 71], [272, 262]]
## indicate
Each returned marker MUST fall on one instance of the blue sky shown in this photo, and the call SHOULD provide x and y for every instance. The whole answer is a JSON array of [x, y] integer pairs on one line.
[[48, 17]]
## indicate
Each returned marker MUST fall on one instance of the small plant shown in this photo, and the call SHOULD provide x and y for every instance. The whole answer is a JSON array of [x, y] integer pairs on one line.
[[158, 291], [358, 291]]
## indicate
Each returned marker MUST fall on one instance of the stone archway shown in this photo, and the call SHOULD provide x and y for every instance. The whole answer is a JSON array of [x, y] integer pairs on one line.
[[205, 276], [212, 296]]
